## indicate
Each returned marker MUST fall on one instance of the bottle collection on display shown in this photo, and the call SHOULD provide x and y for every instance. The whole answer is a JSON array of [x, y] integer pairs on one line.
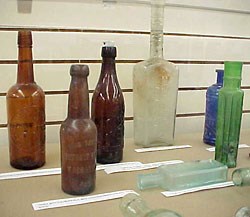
[[86, 139]]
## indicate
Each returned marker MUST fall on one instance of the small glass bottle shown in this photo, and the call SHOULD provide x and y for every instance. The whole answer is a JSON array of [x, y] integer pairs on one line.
[[155, 88], [229, 115], [133, 205], [243, 212], [108, 110], [212, 93], [241, 177], [26, 112], [78, 137], [184, 175]]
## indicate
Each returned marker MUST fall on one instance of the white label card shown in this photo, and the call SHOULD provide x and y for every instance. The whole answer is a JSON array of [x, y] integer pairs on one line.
[[80, 200], [128, 168], [162, 148], [201, 188], [212, 149]]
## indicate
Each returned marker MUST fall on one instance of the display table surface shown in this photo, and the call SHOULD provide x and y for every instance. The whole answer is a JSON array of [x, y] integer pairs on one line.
[[17, 196]]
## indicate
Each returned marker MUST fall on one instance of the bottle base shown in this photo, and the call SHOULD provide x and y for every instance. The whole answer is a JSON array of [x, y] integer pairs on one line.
[[26, 163], [79, 191], [209, 141], [109, 157]]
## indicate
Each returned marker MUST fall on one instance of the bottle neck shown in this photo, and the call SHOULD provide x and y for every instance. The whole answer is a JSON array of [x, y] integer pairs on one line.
[[232, 83], [134, 207], [78, 104], [108, 67], [156, 34], [25, 65], [220, 75]]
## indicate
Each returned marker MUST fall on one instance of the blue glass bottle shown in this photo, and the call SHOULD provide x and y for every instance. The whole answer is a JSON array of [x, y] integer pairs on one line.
[[211, 109]]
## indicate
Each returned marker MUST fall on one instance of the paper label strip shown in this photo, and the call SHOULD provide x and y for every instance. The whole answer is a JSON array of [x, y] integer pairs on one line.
[[141, 150], [80, 200], [212, 149], [201, 188], [54, 171], [128, 168]]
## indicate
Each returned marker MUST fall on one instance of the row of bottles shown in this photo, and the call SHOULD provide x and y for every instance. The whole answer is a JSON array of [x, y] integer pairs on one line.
[[82, 139]]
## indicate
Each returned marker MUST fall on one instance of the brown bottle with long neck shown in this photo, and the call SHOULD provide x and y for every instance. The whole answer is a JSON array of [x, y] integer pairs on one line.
[[26, 112], [78, 137], [108, 110]]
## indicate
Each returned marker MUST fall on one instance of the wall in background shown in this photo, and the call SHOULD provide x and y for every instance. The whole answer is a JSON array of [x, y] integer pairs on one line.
[[197, 40]]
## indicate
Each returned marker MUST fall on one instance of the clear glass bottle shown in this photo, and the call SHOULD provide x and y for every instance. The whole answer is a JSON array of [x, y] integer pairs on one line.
[[26, 112], [243, 212], [184, 175], [212, 93], [229, 115], [133, 205], [241, 177], [108, 110], [155, 88], [78, 137]]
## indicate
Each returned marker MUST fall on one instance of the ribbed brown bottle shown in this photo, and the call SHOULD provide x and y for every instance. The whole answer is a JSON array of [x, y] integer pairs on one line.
[[26, 112], [108, 110], [78, 137]]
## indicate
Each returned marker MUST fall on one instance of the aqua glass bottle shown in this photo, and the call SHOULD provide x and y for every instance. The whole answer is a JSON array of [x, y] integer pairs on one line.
[[229, 115], [155, 88], [133, 205], [241, 177], [243, 212], [184, 175], [212, 93]]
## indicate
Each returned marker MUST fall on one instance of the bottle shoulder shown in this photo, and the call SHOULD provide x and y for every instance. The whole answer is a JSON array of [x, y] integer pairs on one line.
[[25, 90], [78, 124]]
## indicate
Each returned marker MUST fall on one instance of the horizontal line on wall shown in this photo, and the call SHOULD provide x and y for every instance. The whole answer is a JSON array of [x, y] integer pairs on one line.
[[77, 30], [127, 61], [184, 115], [61, 92]]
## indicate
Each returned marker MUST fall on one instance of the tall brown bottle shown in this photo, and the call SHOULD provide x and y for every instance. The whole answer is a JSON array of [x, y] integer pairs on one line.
[[26, 112], [78, 137], [108, 110]]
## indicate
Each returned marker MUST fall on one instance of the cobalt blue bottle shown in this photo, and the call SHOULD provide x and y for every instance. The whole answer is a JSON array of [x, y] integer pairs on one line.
[[211, 109]]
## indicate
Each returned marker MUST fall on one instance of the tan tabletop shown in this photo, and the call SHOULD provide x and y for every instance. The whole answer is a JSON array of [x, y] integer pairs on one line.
[[16, 196]]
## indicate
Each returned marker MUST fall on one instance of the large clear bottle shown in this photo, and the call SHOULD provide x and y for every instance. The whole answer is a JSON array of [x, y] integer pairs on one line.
[[133, 205], [26, 112], [78, 137], [155, 87], [212, 93], [229, 115], [108, 110]]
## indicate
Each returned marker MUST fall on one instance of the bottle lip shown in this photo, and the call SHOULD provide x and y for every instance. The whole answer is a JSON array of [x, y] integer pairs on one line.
[[24, 38], [109, 49], [79, 70]]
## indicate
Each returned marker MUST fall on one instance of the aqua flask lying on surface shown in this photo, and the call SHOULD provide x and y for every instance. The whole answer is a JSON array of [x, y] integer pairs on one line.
[[133, 205], [184, 175]]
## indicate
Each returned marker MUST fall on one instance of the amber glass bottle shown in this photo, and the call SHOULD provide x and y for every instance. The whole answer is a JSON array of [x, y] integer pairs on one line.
[[26, 112], [108, 110], [78, 137]]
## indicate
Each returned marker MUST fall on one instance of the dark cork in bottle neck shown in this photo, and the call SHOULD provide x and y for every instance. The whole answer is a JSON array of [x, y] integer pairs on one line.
[[24, 38], [79, 70]]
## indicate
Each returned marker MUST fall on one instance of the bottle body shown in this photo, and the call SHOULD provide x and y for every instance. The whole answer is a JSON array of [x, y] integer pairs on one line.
[[229, 115], [78, 138], [108, 111], [212, 93], [133, 205], [241, 177], [155, 87], [184, 175], [26, 112]]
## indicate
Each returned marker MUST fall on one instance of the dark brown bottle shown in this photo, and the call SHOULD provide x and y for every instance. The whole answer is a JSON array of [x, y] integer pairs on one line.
[[108, 110], [78, 137], [26, 112]]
